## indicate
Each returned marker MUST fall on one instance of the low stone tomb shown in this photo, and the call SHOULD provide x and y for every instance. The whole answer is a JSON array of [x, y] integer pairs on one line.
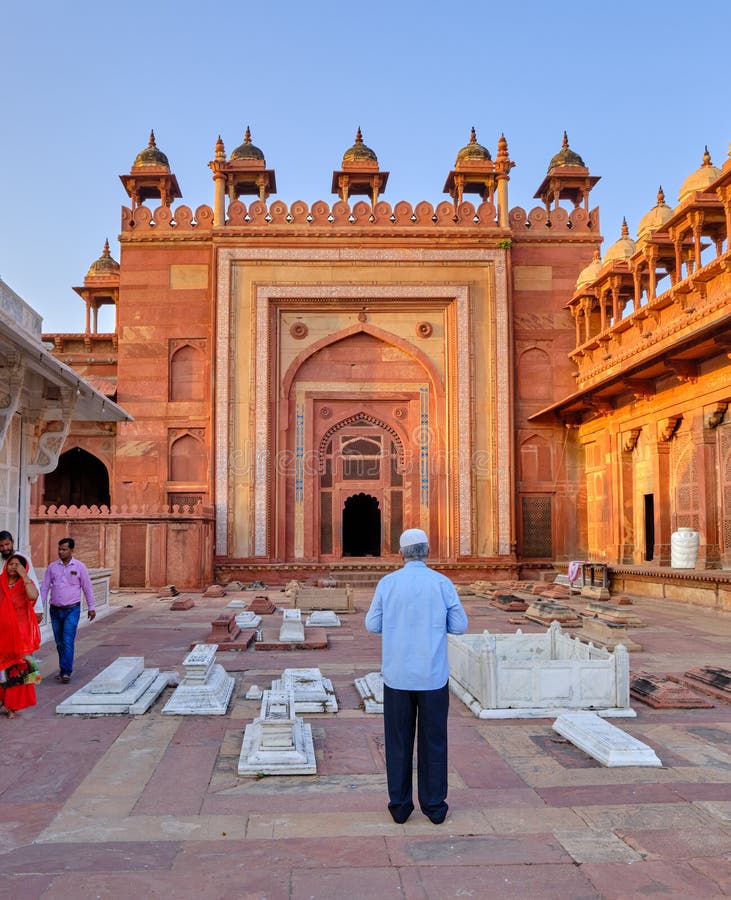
[[603, 741], [124, 687], [236, 604], [185, 601], [370, 688], [262, 605], [512, 676], [546, 611], [606, 634], [169, 590], [608, 612], [323, 618], [712, 680], [227, 634], [248, 619], [664, 692], [277, 742], [254, 693], [292, 628], [510, 600], [214, 590], [312, 692], [206, 688], [339, 599]]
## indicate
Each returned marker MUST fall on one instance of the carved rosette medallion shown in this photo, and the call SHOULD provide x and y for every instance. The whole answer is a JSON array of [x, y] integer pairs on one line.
[[424, 329], [299, 331]]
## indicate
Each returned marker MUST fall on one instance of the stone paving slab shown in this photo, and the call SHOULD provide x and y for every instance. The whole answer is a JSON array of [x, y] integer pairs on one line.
[[158, 798]]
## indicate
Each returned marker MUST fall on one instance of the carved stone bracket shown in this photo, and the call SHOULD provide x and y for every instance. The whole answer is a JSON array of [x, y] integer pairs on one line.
[[669, 426], [16, 373], [630, 440], [685, 370], [600, 407], [717, 415], [50, 442], [641, 390]]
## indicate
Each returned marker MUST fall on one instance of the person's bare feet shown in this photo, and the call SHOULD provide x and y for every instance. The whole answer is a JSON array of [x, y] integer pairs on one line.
[[11, 714]]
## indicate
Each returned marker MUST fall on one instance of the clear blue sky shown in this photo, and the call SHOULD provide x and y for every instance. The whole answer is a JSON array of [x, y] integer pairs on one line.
[[640, 88]]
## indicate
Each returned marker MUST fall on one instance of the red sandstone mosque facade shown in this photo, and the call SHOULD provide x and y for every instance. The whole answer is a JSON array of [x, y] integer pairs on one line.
[[307, 381]]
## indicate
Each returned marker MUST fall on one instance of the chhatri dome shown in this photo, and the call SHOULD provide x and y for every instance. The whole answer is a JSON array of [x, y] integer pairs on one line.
[[105, 265], [565, 156], [473, 151], [359, 152], [700, 179], [151, 156], [656, 217], [589, 274], [247, 150], [624, 248]]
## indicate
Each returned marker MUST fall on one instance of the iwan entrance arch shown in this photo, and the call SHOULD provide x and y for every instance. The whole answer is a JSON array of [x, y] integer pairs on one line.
[[414, 339]]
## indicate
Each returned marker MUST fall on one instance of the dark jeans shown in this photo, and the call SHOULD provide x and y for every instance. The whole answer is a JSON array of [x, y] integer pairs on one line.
[[406, 713], [65, 621]]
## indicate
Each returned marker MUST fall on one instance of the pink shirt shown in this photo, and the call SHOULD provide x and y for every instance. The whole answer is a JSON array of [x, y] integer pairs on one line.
[[66, 582]]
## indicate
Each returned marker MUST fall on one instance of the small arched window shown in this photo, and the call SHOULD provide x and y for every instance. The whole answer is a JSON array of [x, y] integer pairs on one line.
[[188, 460], [187, 374]]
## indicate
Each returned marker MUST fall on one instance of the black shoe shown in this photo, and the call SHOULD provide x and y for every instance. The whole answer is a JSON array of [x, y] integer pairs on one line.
[[437, 817], [400, 815]]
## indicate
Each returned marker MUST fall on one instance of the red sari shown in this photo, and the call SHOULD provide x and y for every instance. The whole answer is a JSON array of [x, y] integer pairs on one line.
[[19, 637]]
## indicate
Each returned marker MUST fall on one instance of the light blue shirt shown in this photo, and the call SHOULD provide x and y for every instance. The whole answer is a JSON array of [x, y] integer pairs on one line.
[[414, 609]]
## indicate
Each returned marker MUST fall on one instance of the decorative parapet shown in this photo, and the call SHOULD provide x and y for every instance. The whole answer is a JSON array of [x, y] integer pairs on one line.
[[321, 215], [135, 511]]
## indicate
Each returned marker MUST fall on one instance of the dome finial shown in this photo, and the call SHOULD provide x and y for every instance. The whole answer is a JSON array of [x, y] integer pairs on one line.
[[625, 227], [220, 149], [502, 147], [106, 253], [358, 136], [473, 135], [660, 196], [706, 156], [247, 135], [565, 141], [152, 139]]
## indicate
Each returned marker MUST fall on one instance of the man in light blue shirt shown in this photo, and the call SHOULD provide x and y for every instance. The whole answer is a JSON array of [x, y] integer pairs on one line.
[[414, 609]]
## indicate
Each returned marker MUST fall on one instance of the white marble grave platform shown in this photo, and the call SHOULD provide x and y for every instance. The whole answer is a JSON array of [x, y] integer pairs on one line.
[[323, 618], [236, 604], [608, 744], [248, 619], [312, 692], [370, 688], [292, 628], [514, 676], [124, 687], [206, 688], [278, 742]]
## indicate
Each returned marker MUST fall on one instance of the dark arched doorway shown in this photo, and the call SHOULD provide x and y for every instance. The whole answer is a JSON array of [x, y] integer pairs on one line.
[[361, 526], [80, 479]]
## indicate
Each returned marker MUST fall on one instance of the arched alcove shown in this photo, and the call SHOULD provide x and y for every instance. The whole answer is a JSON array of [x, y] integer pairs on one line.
[[186, 374], [80, 479], [187, 460]]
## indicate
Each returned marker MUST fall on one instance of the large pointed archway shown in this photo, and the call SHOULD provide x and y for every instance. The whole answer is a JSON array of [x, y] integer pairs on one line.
[[361, 526]]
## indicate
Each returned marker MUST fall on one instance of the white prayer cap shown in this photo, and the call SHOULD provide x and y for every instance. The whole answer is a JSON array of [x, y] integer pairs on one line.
[[413, 536]]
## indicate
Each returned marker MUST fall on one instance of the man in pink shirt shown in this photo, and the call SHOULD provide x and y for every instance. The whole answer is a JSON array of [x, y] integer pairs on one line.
[[67, 578]]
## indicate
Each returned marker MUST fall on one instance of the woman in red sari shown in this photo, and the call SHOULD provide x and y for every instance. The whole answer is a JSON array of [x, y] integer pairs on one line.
[[20, 636]]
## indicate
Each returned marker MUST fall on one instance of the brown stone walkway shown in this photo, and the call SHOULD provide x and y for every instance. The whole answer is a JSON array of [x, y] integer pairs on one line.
[[152, 807]]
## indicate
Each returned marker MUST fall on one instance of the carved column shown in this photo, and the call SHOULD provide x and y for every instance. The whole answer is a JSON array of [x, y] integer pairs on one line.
[[626, 547], [704, 442], [661, 479]]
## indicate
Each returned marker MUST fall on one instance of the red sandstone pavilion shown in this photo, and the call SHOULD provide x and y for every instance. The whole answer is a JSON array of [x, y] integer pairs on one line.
[[307, 381]]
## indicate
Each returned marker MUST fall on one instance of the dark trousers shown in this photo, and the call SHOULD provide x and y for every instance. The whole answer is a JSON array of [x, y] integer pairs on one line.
[[424, 713]]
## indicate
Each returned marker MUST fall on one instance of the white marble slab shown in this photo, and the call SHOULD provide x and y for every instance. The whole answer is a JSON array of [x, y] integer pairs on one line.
[[208, 698], [323, 618], [292, 631], [608, 744], [278, 742], [248, 620], [236, 604], [199, 662], [136, 699], [291, 615], [370, 688], [312, 692], [254, 693], [117, 676]]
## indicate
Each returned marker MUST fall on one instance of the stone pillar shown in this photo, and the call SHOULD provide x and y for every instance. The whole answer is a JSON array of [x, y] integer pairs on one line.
[[626, 546], [219, 200], [704, 442], [663, 527], [502, 201]]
